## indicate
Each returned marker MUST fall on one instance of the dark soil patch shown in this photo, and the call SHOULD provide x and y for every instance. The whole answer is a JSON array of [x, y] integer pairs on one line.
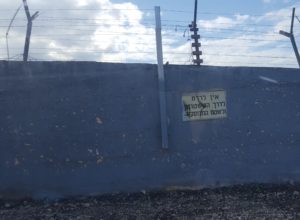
[[238, 202]]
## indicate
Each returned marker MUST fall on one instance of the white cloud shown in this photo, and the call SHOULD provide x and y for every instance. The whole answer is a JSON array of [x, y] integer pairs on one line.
[[244, 40], [267, 1], [223, 22], [123, 33], [107, 33]]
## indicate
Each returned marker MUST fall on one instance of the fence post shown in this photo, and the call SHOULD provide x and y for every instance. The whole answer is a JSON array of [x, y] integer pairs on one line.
[[161, 80]]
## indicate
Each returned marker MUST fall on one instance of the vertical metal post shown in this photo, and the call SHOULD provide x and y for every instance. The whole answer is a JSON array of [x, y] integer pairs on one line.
[[292, 22], [27, 41], [292, 37], [7, 47], [29, 28], [295, 49], [193, 27], [161, 80], [28, 31], [195, 12]]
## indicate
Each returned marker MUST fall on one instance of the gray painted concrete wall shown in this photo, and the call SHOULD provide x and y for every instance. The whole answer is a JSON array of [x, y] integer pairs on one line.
[[81, 128]]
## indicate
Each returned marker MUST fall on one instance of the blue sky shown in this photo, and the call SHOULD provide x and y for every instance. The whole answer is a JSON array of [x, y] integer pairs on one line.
[[233, 32], [217, 6]]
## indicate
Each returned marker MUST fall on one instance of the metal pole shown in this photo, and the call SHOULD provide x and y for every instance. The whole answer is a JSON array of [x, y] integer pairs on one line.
[[292, 37], [7, 47], [28, 32], [161, 80], [295, 48], [29, 28], [292, 23], [27, 41], [195, 12], [193, 27]]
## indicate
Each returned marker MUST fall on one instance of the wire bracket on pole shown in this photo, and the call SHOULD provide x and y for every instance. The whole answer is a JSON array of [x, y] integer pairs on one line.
[[196, 37], [8, 29], [161, 81], [292, 37]]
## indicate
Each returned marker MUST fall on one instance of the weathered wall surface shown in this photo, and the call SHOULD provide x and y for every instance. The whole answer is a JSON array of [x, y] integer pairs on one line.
[[90, 128]]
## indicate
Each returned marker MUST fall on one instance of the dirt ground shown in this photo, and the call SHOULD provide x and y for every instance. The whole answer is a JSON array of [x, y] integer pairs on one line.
[[238, 202]]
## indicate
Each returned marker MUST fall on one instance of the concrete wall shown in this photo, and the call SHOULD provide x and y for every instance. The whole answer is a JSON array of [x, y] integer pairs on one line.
[[81, 128]]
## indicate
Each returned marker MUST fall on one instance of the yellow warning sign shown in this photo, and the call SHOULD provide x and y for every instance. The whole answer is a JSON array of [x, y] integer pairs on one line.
[[204, 105]]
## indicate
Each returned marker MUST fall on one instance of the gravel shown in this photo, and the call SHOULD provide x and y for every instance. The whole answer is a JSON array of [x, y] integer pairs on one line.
[[237, 202]]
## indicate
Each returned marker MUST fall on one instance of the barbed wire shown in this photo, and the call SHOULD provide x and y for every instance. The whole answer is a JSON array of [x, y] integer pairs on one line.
[[208, 45], [223, 63], [172, 29], [171, 61], [204, 37], [142, 10], [218, 13], [142, 22], [166, 52], [164, 34]]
